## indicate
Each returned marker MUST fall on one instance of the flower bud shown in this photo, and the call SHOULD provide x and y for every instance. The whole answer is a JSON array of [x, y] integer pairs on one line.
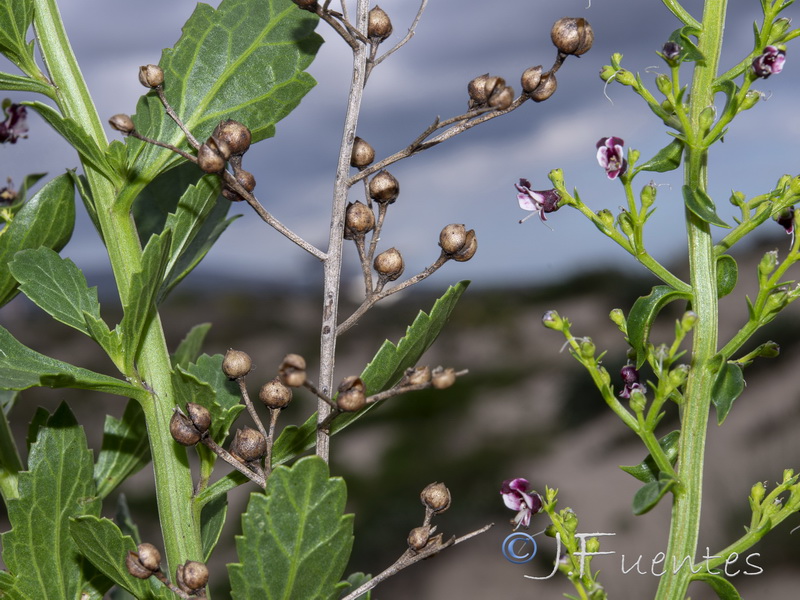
[[625, 223], [352, 394], [182, 430], [572, 36], [757, 493], [248, 445], [443, 378], [151, 76], [419, 537], [638, 400], [379, 25], [389, 264], [767, 264], [618, 318], [779, 27], [122, 123], [234, 134], [769, 350], [688, 321], [359, 219], [587, 349], [292, 371], [502, 99], [236, 364], [199, 416], [569, 519], [606, 218], [552, 320], [191, 576], [384, 187], [648, 195], [546, 88], [787, 475], [363, 154], [664, 84], [750, 100], [418, 375], [531, 78], [671, 51], [275, 395], [436, 497], [678, 376]]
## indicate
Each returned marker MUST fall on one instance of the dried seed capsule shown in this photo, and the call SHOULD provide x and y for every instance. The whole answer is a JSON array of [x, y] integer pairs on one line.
[[436, 497], [379, 25], [443, 378], [182, 430], [530, 79], [151, 76], [236, 364], [209, 158], [191, 576], [477, 90], [199, 416], [502, 98], [452, 238], [246, 180], [419, 536], [122, 123], [292, 371], [135, 566], [149, 556], [234, 134], [352, 394], [469, 249], [248, 445], [363, 154], [418, 375], [572, 36], [384, 187], [275, 395], [359, 219], [389, 264], [546, 88]]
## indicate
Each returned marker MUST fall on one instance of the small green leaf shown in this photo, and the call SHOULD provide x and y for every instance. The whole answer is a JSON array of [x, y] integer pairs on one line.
[[15, 19], [46, 220], [103, 544], [643, 314], [212, 519], [125, 449], [295, 540], [23, 83], [650, 494], [117, 157], [730, 90], [57, 486], [727, 275], [83, 143], [728, 386], [666, 159], [354, 581], [702, 206], [189, 349], [723, 588], [22, 368], [647, 471], [689, 50]]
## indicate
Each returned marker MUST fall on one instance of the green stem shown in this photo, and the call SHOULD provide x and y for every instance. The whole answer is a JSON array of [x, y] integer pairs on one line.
[[687, 502], [172, 475]]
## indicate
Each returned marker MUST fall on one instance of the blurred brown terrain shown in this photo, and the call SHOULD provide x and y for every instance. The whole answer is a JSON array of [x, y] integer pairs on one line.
[[524, 410]]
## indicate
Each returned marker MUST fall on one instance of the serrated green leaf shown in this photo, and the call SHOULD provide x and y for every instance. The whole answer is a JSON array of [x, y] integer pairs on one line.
[[650, 494], [727, 275], [22, 368], [23, 83], [103, 544], [723, 588], [728, 386], [117, 157], [46, 220], [83, 143], [354, 581], [189, 349], [124, 520], [295, 540], [702, 206], [38, 421], [125, 449], [8, 588], [57, 486], [666, 159], [647, 470], [212, 520], [644, 312], [15, 19], [242, 61]]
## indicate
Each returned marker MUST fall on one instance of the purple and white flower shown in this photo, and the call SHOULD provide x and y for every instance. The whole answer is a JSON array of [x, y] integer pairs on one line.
[[769, 62], [516, 497], [611, 157], [541, 202], [786, 220], [630, 381], [15, 124]]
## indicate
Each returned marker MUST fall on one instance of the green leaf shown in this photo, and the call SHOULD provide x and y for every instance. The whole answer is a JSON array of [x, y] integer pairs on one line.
[[354, 581], [666, 159], [644, 312], [22, 368], [15, 19], [727, 275], [103, 544], [38, 550], [124, 520], [212, 519], [728, 386], [702, 206], [689, 50], [721, 586], [647, 471], [83, 143], [189, 349], [650, 494], [125, 449], [295, 540], [23, 83], [385, 369], [242, 61], [46, 220]]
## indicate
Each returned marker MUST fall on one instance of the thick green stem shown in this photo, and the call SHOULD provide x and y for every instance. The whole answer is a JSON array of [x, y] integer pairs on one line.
[[686, 506], [172, 475]]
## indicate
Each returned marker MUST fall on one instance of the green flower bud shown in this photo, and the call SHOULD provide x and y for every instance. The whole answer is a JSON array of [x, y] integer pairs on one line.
[[738, 199], [606, 218], [664, 84], [688, 321], [779, 27], [751, 98], [707, 116], [757, 493], [587, 349], [592, 545], [625, 223], [769, 350], [678, 375], [569, 520], [607, 73], [624, 77], [604, 376], [648, 195], [556, 177], [787, 474], [638, 401], [767, 264], [618, 318], [552, 320]]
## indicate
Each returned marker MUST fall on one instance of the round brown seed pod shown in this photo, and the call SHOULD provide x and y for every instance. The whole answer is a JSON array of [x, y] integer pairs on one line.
[[469, 249], [292, 371], [363, 154], [199, 416], [352, 394], [151, 76], [234, 134], [530, 78], [384, 187], [502, 98], [246, 180], [443, 378], [477, 90], [191, 576], [149, 556], [182, 430], [358, 220], [209, 159], [572, 36], [135, 566], [248, 445], [236, 364], [379, 25], [389, 264], [275, 395], [452, 238], [419, 536], [418, 375], [122, 123], [546, 88], [436, 497]]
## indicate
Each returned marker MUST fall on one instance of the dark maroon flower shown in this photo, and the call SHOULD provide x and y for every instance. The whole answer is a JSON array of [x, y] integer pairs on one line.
[[769, 62], [545, 201], [786, 220], [610, 156], [671, 51], [15, 125], [516, 497], [630, 380]]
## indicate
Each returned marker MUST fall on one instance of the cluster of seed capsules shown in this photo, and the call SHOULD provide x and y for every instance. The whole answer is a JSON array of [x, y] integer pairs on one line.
[[190, 578]]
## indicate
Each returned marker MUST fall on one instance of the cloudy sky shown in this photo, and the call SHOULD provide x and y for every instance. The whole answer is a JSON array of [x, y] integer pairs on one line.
[[469, 179]]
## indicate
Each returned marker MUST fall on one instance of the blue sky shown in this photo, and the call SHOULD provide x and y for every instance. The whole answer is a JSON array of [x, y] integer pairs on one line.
[[470, 179]]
